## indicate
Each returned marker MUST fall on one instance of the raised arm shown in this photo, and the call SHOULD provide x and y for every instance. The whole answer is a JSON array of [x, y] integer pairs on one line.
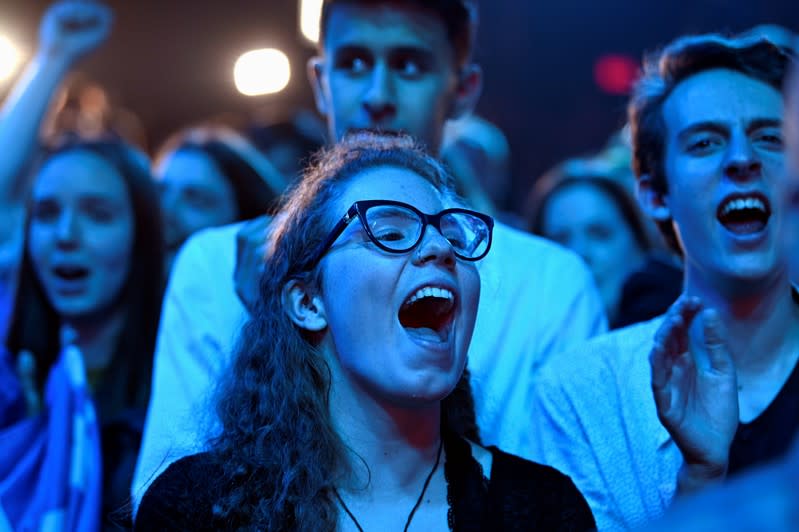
[[69, 30]]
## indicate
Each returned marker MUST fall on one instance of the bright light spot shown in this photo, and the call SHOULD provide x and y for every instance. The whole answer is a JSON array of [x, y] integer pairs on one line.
[[310, 14], [264, 71], [10, 58]]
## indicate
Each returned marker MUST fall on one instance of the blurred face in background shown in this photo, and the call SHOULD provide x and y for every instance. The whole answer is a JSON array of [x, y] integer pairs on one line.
[[585, 219], [81, 233], [195, 195]]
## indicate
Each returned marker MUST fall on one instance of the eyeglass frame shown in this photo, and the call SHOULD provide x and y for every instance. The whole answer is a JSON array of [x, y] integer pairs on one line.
[[359, 208]]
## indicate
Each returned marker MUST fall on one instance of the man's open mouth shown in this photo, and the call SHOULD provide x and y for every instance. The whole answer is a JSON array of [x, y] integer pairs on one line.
[[744, 214], [428, 313]]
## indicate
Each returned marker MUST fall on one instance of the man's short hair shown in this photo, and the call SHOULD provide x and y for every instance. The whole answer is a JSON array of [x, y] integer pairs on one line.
[[753, 56], [459, 18]]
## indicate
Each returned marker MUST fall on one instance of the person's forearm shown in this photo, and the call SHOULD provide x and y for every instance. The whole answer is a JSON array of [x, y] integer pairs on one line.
[[20, 123]]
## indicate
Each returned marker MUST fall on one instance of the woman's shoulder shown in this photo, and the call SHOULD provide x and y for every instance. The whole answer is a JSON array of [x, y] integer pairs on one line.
[[511, 468], [537, 494], [183, 496]]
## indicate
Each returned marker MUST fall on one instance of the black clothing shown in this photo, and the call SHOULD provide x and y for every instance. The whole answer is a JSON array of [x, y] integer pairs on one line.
[[648, 292], [770, 434], [520, 495]]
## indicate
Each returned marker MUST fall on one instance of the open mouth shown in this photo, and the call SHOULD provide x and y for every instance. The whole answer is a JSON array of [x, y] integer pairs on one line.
[[744, 214], [71, 273], [428, 313]]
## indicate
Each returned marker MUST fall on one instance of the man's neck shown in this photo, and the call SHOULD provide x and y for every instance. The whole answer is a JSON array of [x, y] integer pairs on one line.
[[762, 325]]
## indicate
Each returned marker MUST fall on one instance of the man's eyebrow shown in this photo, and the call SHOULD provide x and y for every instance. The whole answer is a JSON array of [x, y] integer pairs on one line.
[[761, 123], [350, 49], [353, 48], [721, 128], [706, 125], [411, 50]]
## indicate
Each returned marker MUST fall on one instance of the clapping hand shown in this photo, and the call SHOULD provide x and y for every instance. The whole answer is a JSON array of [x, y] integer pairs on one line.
[[71, 29], [695, 387]]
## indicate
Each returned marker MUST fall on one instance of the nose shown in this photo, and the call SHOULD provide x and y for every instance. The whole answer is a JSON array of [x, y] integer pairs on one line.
[[378, 99], [742, 161], [434, 248], [580, 245], [67, 230]]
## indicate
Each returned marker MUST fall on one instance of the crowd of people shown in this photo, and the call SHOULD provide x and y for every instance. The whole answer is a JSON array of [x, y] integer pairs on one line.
[[254, 331]]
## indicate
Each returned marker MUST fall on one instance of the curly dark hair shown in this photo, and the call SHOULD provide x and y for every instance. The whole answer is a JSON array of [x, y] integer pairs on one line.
[[278, 449], [684, 57], [459, 17]]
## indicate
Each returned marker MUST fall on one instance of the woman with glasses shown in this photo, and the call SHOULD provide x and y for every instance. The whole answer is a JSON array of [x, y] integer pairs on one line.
[[348, 406]]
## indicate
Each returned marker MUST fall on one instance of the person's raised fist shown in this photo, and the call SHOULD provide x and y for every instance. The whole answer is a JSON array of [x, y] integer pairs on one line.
[[71, 29]]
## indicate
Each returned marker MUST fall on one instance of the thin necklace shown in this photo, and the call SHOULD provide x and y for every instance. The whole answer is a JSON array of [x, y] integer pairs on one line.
[[415, 506]]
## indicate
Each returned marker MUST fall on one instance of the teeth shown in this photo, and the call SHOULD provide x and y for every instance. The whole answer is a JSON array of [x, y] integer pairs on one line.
[[431, 291], [743, 203]]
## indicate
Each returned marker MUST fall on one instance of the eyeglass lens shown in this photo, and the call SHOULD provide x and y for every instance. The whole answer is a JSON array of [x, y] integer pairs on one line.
[[399, 229]]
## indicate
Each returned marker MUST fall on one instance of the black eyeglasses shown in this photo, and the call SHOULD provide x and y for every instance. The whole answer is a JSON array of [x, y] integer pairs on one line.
[[397, 227]]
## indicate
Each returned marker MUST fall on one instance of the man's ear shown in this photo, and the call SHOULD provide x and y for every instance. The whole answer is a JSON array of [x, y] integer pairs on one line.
[[315, 72], [467, 91], [304, 308], [652, 202]]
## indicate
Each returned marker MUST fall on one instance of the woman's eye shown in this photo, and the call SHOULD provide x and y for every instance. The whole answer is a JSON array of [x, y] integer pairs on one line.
[[199, 199], [390, 235], [458, 242], [101, 214], [601, 233], [45, 211]]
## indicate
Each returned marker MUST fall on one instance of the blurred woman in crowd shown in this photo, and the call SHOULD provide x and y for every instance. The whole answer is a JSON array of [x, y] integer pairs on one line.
[[596, 218], [90, 278], [211, 176], [86, 294]]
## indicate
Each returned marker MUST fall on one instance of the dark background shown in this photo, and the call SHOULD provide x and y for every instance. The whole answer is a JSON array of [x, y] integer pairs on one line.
[[171, 61]]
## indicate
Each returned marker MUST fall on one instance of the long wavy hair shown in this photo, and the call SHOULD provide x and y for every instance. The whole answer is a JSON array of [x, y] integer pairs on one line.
[[279, 451], [35, 324]]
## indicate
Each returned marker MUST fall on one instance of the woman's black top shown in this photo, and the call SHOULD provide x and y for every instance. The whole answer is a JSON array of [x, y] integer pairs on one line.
[[520, 495]]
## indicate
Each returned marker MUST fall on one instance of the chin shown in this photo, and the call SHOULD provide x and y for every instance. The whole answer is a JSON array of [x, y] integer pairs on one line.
[[74, 310], [436, 389], [752, 278], [83, 308]]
